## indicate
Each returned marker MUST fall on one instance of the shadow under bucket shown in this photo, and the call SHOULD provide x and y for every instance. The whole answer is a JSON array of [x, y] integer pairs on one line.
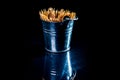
[[57, 35]]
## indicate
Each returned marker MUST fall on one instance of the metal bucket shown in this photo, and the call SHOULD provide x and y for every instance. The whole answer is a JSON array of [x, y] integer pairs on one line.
[[57, 35]]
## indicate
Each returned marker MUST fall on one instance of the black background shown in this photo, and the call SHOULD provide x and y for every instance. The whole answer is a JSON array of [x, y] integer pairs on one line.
[[82, 36]]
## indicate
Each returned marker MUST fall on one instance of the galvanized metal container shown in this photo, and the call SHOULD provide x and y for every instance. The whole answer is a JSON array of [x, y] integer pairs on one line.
[[57, 35]]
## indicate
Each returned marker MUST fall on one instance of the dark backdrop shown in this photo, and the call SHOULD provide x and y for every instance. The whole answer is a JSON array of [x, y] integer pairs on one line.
[[82, 38]]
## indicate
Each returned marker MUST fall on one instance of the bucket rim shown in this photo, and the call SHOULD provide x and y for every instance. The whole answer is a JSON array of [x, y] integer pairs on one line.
[[66, 19]]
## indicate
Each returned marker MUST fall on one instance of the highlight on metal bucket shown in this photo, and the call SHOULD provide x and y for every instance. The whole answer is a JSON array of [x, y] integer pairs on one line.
[[57, 28]]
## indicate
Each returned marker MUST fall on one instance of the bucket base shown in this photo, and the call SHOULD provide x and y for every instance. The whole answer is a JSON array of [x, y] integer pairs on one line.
[[57, 51]]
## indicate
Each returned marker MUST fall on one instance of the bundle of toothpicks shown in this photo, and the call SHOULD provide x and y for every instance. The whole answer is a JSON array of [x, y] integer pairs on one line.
[[52, 15]]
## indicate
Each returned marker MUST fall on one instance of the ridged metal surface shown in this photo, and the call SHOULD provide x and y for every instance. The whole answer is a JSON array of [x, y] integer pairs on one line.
[[57, 35]]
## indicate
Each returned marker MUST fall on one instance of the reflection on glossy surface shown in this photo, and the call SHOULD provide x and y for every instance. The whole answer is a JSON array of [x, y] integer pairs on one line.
[[58, 66]]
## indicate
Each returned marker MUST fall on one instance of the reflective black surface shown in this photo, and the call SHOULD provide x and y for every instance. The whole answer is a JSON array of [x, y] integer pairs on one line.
[[68, 65], [58, 66]]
